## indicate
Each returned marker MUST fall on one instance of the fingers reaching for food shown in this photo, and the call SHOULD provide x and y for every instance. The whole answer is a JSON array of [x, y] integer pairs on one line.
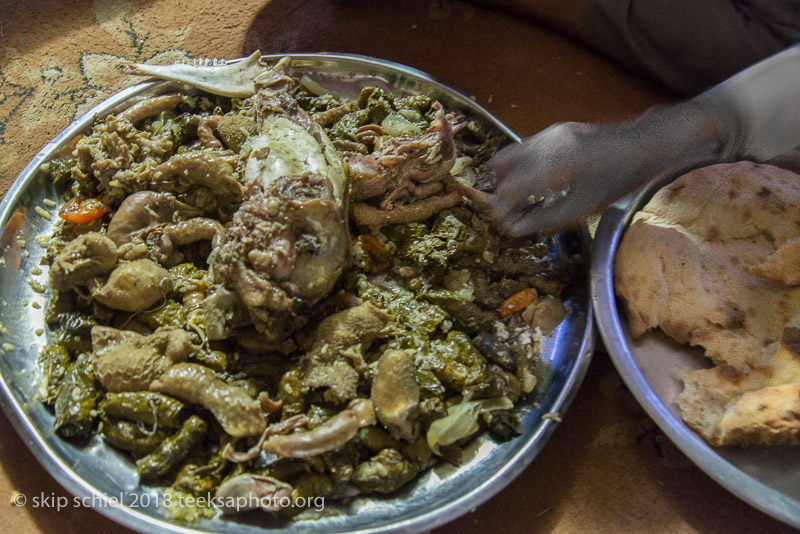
[[571, 170]]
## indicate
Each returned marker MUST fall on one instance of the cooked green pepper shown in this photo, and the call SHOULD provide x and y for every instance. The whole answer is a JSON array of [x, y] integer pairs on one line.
[[346, 126], [502, 424], [76, 400], [497, 351], [76, 323], [431, 395], [501, 383], [429, 385], [418, 452], [377, 102], [148, 407], [286, 469], [340, 463], [176, 128], [405, 309], [432, 248], [172, 450], [419, 103], [185, 276], [60, 170], [311, 102], [404, 234]]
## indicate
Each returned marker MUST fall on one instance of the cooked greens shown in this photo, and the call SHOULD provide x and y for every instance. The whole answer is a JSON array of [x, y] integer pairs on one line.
[[199, 326]]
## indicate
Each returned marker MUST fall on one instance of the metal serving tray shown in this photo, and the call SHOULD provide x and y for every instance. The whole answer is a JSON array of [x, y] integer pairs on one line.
[[99, 474], [765, 477]]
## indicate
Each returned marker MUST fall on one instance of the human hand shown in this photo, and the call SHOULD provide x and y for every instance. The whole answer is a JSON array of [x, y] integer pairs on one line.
[[570, 170], [559, 176]]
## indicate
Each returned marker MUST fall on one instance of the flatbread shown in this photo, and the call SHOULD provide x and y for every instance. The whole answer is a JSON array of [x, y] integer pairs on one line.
[[695, 262], [782, 267], [727, 407]]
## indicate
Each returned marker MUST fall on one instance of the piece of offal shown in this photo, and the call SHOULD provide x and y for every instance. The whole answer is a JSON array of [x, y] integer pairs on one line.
[[238, 413], [289, 240], [395, 393]]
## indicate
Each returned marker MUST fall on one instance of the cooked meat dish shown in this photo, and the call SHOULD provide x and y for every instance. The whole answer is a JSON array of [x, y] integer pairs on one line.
[[264, 290]]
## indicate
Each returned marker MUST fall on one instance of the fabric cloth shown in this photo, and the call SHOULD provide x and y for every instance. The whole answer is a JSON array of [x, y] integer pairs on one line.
[[690, 44]]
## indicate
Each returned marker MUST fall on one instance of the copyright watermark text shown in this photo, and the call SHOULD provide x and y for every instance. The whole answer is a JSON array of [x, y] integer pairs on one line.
[[147, 500]]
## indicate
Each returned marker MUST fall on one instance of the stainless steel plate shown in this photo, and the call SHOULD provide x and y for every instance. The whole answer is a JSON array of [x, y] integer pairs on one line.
[[765, 477], [102, 476]]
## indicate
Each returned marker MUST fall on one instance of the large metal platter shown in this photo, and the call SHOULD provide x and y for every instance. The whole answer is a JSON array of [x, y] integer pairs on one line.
[[100, 475], [765, 477]]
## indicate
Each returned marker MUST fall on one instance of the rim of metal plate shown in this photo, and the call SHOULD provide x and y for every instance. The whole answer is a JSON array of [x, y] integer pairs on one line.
[[607, 238], [527, 448]]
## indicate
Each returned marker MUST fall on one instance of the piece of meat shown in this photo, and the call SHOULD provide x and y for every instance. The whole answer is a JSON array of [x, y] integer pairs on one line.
[[247, 491], [83, 259], [127, 361], [144, 209], [193, 169], [328, 436], [117, 159], [392, 173], [238, 413], [160, 241], [335, 359], [284, 249], [134, 286], [395, 393]]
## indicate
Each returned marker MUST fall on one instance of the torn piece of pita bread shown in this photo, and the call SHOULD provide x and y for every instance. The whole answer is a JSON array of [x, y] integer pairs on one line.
[[727, 407], [685, 263], [783, 266]]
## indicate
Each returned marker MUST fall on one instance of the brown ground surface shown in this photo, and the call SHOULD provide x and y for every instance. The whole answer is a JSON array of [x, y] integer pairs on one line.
[[607, 468]]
